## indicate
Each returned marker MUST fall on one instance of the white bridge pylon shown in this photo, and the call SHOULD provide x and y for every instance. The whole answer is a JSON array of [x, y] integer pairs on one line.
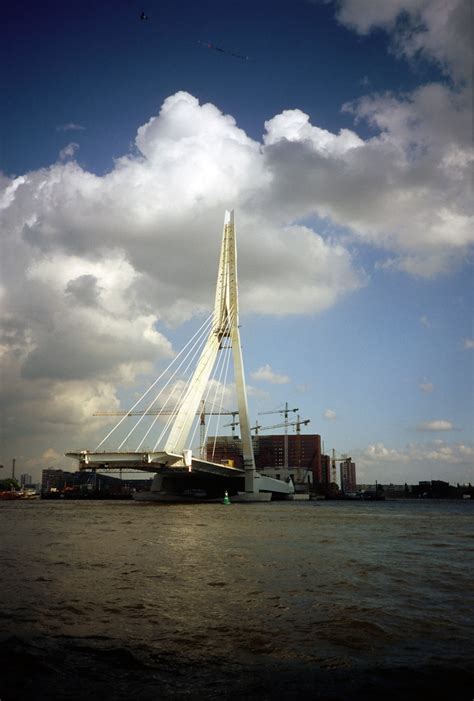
[[176, 452], [225, 326]]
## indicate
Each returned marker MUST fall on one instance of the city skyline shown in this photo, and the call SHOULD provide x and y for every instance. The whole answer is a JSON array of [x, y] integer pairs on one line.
[[343, 142]]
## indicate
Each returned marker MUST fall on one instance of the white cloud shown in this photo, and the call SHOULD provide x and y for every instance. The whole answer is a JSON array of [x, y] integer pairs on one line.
[[452, 462], [454, 453], [469, 343], [426, 387], [425, 321], [266, 374], [438, 30], [294, 126], [330, 414], [68, 151], [414, 173], [436, 425], [70, 126]]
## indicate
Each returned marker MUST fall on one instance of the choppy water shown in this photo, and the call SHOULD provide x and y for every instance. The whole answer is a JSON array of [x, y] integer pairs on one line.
[[317, 600]]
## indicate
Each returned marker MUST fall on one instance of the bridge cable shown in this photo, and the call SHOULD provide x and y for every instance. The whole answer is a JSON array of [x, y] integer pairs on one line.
[[197, 348], [185, 389], [221, 366], [228, 357], [206, 322], [198, 343]]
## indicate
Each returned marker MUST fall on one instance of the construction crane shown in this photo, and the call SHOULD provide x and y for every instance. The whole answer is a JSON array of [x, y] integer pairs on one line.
[[258, 427], [284, 411], [234, 423], [164, 412], [298, 423], [202, 413], [342, 458]]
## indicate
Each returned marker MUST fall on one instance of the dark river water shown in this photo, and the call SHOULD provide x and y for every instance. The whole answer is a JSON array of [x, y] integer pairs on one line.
[[313, 600]]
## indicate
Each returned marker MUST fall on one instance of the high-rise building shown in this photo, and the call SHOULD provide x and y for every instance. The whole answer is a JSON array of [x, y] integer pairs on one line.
[[348, 476], [25, 479], [326, 469], [55, 479]]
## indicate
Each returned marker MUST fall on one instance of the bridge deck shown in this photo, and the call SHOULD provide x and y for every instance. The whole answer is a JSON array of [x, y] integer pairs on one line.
[[151, 462]]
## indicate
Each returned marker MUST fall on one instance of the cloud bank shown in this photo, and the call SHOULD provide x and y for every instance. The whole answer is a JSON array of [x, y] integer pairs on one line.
[[416, 461]]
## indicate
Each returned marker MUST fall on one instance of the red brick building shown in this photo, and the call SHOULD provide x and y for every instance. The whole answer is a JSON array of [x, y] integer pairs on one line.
[[304, 452]]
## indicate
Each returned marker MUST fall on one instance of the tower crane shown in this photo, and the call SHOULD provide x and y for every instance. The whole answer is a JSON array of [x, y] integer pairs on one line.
[[234, 423], [285, 413], [258, 427], [286, 424], [298, 423], [202, 413], [342, 458]]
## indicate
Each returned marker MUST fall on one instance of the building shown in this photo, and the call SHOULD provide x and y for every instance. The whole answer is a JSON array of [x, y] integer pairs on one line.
[[326, 470], [348, 476], [55, 480], [25, 480], [88, 484], [295, 456]]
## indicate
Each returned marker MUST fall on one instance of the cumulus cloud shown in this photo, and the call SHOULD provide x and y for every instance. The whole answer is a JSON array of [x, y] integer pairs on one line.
[[437, 30], [330, 414], [455, 453], [68, 151], [414, 173], [266, 374], [436, 425], [453, 462]]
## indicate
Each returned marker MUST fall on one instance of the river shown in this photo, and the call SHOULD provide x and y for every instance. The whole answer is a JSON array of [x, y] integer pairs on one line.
[[316, 600]]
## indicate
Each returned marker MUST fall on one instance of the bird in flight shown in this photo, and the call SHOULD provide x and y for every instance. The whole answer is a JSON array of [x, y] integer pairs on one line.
[[208, 45]]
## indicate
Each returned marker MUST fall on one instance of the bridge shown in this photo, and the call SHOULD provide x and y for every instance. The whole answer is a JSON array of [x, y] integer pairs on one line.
[[179, 473]]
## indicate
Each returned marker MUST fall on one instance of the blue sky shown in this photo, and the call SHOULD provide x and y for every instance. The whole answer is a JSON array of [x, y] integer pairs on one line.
[[125, 140]]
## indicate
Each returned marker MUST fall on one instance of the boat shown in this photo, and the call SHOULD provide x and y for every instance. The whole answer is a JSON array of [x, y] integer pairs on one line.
[[13, 495], [10, 495]]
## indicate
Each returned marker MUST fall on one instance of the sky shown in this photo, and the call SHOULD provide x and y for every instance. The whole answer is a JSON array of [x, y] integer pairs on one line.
[[341, 135]]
